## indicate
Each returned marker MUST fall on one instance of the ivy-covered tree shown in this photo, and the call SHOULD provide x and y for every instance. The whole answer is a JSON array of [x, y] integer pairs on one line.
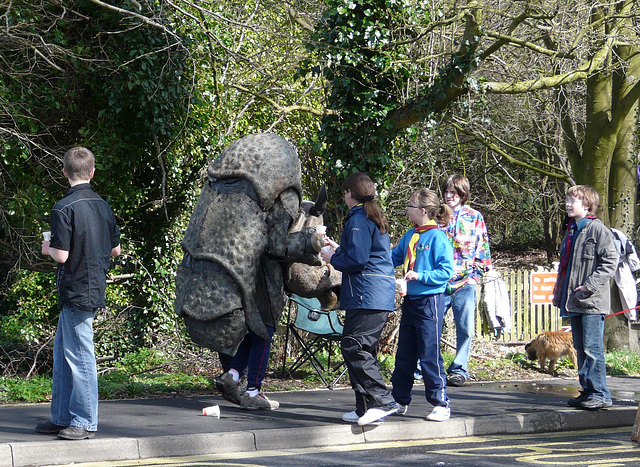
[[365, 73], [157, 90]]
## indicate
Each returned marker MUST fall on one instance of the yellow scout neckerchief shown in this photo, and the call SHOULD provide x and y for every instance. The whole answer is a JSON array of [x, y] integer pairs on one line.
[[410, 257]]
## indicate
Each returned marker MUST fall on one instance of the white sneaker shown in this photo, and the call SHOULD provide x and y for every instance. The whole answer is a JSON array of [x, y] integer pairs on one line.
[[402, 409], [352, 417], [439, 414], [375, 414]]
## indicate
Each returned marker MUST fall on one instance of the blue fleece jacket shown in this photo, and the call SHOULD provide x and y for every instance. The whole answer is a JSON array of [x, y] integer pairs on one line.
[[434, 261], [365, 262]]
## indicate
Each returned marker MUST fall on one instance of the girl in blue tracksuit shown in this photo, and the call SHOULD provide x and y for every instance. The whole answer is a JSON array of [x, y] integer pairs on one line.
[[367, 295], [426, 256]]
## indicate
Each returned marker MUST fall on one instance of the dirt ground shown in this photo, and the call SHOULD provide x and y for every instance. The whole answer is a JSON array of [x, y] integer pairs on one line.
[[489, 362]]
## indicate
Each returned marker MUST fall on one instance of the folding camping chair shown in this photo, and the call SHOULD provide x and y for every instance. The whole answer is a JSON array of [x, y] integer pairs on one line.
[[324, 328]]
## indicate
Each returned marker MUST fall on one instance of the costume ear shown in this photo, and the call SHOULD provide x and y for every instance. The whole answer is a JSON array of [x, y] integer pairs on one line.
[[321, 202]]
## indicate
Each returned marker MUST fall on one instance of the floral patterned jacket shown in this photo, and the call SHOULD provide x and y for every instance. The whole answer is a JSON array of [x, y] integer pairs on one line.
[[467, 232]]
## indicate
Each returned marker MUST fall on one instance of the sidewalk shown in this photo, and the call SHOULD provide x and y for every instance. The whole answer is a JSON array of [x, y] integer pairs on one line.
[[134, 429]]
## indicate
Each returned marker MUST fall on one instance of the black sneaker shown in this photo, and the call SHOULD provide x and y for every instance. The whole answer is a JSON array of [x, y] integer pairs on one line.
[[576, 401], [457, 379], [74, 433], [49, 428]]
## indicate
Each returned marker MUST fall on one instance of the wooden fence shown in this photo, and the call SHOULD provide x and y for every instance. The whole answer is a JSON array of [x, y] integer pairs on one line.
[[527, 319]]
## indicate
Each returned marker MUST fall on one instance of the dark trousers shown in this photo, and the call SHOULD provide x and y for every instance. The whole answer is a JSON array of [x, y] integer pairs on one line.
[[359, 345], [225, 361], [253, 354], [419, 339]]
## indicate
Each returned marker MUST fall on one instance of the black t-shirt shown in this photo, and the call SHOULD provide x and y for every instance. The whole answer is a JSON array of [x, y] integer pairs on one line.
[[83, 224]]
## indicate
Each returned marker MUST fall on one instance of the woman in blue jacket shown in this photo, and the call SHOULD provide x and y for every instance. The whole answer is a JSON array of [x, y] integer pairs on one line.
[[367, 295]]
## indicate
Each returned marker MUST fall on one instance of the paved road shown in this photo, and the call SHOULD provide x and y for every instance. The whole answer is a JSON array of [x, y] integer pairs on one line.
[[582, 448]]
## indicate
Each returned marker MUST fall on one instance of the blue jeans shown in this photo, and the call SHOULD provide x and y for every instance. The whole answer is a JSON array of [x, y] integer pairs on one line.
[[463, 304], [253, 354], [74, 397], [419, 338], [588, 340]]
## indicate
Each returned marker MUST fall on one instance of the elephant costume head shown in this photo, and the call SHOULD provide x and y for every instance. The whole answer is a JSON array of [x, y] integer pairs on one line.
[[249, 225]]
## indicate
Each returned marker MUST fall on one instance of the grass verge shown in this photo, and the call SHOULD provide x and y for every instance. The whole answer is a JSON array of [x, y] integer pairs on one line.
[[137, 380]]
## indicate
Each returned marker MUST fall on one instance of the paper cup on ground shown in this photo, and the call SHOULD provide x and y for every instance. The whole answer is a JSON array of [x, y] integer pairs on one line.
[[46, 236], [213, 411], [401, 286]]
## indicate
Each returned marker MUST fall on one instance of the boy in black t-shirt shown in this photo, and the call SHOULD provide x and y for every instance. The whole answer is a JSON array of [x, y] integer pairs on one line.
[[84, 236]]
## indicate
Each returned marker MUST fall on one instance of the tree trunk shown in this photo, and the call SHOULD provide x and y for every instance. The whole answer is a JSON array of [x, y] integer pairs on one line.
[[618, 335], [623, 178], [593, 167], [607, 162]]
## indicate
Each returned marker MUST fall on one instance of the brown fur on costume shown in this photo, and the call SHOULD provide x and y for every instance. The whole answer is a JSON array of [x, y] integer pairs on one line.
[[552, 346]]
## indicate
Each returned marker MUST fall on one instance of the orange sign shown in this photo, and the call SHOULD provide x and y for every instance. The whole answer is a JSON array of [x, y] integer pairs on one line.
[[542, 284]]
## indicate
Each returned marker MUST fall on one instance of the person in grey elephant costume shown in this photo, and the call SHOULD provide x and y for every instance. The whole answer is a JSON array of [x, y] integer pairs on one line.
[[248, 229]]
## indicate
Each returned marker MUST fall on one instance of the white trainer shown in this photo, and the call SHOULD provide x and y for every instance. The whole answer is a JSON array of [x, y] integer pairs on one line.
[[439, 414], [375, 414], [352, 417]]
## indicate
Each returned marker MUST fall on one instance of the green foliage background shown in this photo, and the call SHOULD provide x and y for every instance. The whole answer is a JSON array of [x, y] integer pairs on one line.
[[156, 100]]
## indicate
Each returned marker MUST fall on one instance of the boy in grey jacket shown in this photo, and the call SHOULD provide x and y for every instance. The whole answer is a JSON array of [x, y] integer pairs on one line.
[[588, 260]]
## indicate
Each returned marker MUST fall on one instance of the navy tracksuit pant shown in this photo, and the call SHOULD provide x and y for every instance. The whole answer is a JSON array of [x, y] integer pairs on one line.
[[419, 339], [253, 356]]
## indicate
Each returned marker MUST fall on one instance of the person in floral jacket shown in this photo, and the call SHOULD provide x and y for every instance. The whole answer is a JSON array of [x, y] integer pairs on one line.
[[467, 232]]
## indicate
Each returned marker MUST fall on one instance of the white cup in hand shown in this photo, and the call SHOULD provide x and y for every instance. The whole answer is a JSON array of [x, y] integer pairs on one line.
[[402, 287]]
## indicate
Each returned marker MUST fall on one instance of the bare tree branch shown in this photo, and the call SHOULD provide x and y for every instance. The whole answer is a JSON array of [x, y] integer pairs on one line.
[[542, 167], [133, 14], [288, 108]]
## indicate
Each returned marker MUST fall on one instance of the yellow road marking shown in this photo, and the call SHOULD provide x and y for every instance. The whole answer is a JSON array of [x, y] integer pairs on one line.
[[555, 453]]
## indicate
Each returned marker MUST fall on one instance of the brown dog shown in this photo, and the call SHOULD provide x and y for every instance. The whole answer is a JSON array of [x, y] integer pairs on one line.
[[552, 346]]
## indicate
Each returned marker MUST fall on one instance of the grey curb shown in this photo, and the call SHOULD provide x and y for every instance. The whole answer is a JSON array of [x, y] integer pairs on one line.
[[63, 452], [115, 449]]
